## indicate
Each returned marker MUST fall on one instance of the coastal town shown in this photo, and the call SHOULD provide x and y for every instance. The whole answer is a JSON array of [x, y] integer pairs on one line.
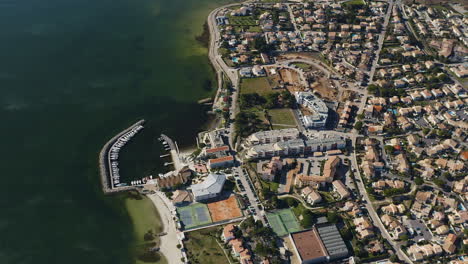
[[341, 138]]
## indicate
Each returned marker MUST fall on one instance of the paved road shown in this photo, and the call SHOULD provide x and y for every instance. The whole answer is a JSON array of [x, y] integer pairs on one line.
[[221, 67], [371, 210], [377, 54], [242, 175], [360, 184]]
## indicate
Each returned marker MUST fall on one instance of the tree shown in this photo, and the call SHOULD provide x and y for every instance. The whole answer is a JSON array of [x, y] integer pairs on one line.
[[307, 219], [261, 250], [393, 191], [358, 125], [360, 116], [291, 202], [247, 123], [289, 101], [439, 182], [332, 217], [389, 149], [372, 88], [271, 101], [250, 100], [394, 258], [346, 234], [418, 180]]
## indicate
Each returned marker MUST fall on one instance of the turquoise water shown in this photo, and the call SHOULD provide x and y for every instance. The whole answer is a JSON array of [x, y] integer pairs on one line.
[[72, 74]]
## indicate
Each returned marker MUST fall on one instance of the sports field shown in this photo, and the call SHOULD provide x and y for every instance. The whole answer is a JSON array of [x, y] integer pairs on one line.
[[224, 209], [194, 215], [283, 222]]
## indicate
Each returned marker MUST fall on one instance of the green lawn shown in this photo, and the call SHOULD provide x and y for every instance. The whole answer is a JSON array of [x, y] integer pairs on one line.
[[255, 29], [260, 85], [144, 217], [202, 247], [354, 2], [283, 116], [272, 186], [242, 21], [303, 66]]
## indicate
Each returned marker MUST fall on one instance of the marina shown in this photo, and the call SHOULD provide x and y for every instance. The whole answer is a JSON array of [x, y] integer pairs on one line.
[[114, 156], [108, 160]]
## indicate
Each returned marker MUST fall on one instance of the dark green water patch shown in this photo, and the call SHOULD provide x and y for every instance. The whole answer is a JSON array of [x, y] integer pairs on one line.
[[73, 73]]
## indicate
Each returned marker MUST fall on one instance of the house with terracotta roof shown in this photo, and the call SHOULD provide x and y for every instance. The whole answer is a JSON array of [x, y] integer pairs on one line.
[[341, 189], [222, 162], [239, 251], [364, 227], [311, 195], [450, 243], [228, 233], [271, 169]]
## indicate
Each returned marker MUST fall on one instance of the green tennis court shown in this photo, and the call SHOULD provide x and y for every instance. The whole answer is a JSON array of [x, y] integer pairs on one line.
[[283, 222], [194, 215]]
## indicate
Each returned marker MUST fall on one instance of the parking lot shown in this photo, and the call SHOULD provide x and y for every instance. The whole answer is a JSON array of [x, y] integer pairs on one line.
[[420, 229]]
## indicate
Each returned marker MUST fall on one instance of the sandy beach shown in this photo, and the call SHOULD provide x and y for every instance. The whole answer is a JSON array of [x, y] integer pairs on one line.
[[169, 242]]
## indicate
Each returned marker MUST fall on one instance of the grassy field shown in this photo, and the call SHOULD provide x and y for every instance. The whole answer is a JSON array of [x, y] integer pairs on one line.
[[202, 247], [242, 21], [303, 66], [255, 29], [260, 85], [354, 2], [144, 218], [283, 116], [272, 186]]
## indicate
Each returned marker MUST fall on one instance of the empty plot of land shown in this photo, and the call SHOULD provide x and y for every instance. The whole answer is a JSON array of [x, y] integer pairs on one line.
[[202, 247], [283, 222], [194, 215], [260, 85], [225, 209], [290, 76], [324, 88], [282, 118]]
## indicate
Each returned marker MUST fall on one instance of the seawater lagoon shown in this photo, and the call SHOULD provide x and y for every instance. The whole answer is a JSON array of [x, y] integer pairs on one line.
[[72, 74]]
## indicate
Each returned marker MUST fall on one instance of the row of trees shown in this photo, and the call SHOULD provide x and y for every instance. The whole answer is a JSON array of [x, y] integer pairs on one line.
[[268, 101], [247, 123]]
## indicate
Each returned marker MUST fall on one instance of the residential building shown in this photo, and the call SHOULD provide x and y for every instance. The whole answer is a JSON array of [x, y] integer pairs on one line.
[[228, 233], [222, 162], [341, 189], [319, 109], [273, 136]]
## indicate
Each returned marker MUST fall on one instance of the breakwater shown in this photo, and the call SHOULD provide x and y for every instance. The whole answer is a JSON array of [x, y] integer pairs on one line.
[[105, 163]]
